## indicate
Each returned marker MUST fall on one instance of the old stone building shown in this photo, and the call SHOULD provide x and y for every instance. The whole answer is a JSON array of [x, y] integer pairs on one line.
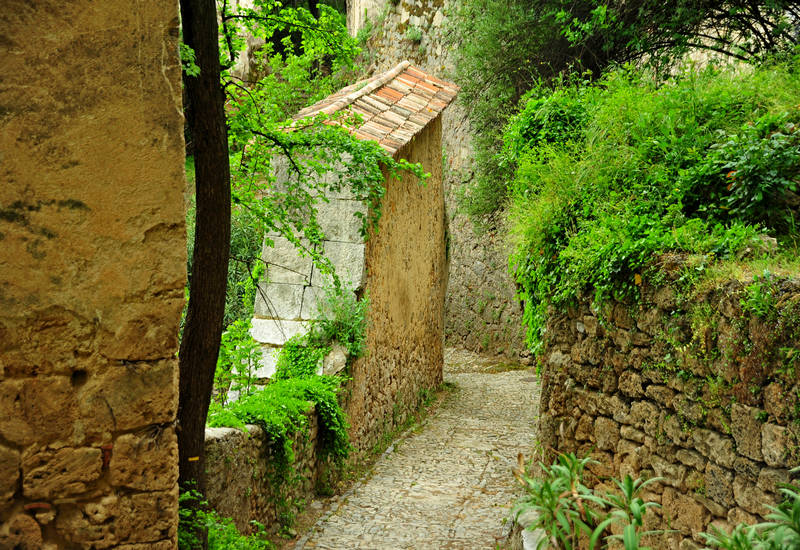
[[482, 312], [402, 266], [92, 270]]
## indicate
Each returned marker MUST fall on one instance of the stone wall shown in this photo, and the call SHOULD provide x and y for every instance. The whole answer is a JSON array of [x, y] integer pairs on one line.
[[693, 388], [92, 269], [481, 310], [241, 476], [406, 280]]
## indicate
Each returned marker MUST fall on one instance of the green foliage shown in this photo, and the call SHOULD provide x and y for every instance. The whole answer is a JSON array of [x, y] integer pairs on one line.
[[568, 511], [239, 357], [343, 319], [505, 48], [299, 358], [414, 34], [281, 408], [573, 516], [760, 297], [593, 208], [194, 512]]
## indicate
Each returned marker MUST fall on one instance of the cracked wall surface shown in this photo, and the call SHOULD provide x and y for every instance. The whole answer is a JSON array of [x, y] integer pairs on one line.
[[92, 270]]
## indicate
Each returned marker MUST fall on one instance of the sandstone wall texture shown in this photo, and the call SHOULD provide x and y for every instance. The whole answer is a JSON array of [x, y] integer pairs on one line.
[[481, 310], [243, 483], [699, 391], [406, 281], [92, 269]]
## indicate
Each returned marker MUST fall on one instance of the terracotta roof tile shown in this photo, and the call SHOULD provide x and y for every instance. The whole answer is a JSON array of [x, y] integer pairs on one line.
[[394, 106]]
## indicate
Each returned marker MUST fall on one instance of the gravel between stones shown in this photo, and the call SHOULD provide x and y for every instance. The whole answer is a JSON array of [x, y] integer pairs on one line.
[[447, 485]]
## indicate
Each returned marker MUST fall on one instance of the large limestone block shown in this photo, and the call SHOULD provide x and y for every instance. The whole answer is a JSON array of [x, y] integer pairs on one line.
[[275, 332], [279, 301], [340, 221], [284, 262], [60, 473], [348, 262], [37, 409], [268, 364], [746, 430], [146, 461]]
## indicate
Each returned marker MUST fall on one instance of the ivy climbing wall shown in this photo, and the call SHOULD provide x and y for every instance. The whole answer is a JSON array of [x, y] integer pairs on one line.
[[92, 270]]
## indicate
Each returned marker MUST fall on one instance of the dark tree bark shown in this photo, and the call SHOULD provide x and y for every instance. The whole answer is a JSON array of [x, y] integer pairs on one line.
[[201, 335]]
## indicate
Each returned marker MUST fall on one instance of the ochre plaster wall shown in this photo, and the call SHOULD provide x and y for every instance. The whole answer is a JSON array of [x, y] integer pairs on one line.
[[406, 282], [92, 269]]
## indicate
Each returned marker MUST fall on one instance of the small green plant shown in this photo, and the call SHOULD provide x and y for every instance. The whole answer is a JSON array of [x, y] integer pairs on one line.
[[414, 34], [343, 320], [569, 512], [781, 531], [299, 358], [195, 514], [759, 296], [239, 357]]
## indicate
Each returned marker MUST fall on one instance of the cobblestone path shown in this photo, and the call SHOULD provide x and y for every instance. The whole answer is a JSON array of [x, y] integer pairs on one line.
[[449, 484]]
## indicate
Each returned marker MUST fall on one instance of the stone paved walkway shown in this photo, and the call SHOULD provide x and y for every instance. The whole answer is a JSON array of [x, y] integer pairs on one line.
[[449, 485]]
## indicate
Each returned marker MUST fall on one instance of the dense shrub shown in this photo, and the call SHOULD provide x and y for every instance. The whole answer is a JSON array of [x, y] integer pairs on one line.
[[702, 164]]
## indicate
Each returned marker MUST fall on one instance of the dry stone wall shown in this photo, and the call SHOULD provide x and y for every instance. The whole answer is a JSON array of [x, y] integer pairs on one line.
[[92, 270], [242, 481], [697, 390], [481, 310]]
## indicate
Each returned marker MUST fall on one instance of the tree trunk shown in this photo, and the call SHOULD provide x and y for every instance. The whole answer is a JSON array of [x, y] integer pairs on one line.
[[201, 335]]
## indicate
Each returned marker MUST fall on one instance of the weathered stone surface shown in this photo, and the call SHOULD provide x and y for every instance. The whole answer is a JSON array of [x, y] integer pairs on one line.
[[146, 461], [719, 484], [691, 458], [673, 474], [279, 301], [9, 474], [21, 532], [660, 394], [335, 361], [606, 433], [284, 264], [771, 479], [686, 514], [60, 473], [339, 221], [746, 430], [737, 516], [268, 331], [714, 446], [775, 445], [631, 433], [749, 497], [348, 262], [630, 383], [93, 257]]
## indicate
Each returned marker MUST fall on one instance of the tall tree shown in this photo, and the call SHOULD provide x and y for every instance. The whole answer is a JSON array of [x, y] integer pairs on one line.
[[201, 336]]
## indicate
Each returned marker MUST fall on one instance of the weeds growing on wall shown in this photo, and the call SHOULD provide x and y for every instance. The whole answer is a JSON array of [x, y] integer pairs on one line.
[[610, 174], [573, 516], [194, 512]]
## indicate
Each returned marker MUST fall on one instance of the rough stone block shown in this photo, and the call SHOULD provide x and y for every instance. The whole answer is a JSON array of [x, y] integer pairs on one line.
[[687, 515], [632, 433], [673, 474], [746, 430], [775, 445], [269, 362], [719, 484], [145, 461], [9, 474], [279, 301], [714, 446], [737, 516], [284, 263], [276, 333], [606, 433], [21, 532], [691, 458], [348, 263], [771, 479], [339, 221], [56, 474], [630, 383], [129, 396], [37, 409], [749, 497]]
